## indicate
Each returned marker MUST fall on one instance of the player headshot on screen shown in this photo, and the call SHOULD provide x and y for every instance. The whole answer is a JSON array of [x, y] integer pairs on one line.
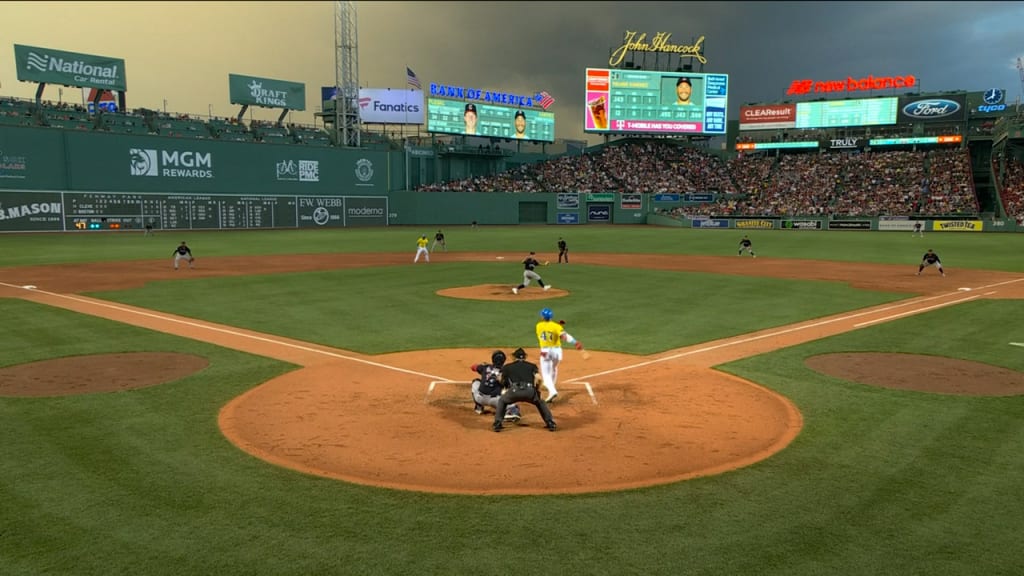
[[470, 117], [683, 91], [520, 124]]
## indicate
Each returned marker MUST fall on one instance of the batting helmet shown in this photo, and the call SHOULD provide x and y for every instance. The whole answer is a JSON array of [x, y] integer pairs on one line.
[[498, 358], [547, 314]]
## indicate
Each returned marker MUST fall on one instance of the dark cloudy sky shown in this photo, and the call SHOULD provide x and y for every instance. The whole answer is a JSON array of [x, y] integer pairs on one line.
[[183, 51]]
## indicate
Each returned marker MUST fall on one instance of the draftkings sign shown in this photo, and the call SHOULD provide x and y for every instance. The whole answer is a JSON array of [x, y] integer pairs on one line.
[[266, 92]]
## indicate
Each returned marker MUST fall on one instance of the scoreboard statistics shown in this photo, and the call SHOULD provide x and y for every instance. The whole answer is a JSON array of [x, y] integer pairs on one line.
[[643, 101], [492, 120], [841, 113]]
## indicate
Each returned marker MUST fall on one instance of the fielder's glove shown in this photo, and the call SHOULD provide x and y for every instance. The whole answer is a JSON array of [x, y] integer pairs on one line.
[[579, 345]]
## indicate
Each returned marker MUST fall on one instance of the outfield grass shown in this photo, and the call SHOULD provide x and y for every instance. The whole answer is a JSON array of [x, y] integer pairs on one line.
[[879, 481]]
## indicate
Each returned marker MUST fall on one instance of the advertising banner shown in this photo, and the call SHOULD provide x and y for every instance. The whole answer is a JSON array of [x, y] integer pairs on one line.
[[489, 120], [958, 225], [991, 102], [20, 211], [266, 92], [700, 197], [600, 196], [944, 108], [108, 102], [755, 224], [848, 143], [387, 106], [599, 213], [800, 224], [768, 117], [568, 200], [709, 223], [36, 64], [893, 225], [631, 201], [849, 225], [568, 218], [639, 101], [366, 211], [667, 197]]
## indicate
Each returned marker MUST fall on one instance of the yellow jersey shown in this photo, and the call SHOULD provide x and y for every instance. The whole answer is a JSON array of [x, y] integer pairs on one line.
[[549, 334], [422, 242]]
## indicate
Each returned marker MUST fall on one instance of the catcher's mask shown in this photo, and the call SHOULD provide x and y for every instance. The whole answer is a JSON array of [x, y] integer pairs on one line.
[[498, 358]]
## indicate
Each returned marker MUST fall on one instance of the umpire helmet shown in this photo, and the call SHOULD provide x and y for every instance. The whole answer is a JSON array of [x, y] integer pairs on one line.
[[519, 353], [498, 358], [547, 314]]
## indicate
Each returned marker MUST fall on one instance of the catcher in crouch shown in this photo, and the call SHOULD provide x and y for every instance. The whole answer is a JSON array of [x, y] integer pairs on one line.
[[550, 335], [486, 387]]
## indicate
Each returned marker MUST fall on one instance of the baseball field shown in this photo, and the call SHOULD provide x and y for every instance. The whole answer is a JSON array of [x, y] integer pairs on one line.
[[298, 404]]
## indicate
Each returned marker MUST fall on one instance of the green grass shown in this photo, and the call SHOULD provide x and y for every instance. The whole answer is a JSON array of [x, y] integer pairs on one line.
[[879, 482], [958, 250]]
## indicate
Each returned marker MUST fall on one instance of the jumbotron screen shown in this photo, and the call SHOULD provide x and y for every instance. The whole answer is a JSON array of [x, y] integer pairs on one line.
[[642, 101], [473, 118]]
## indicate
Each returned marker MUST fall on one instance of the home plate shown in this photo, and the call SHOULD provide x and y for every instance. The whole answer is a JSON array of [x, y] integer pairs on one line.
[[29, 287], [964, 289]]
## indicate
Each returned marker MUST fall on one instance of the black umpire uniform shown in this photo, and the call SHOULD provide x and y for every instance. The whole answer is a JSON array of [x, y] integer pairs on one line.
[[519, 379], [563, 251]]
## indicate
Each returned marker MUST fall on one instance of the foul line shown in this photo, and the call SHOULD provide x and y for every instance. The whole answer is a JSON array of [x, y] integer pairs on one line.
[[785, 331], [925, 309], [231, 332]]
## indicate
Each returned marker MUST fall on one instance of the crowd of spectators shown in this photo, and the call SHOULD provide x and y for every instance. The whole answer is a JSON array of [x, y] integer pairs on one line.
[[847, 183], [1012, 189]]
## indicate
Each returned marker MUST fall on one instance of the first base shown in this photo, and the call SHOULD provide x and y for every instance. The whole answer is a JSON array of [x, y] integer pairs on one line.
[[964, 289], [29, 287]]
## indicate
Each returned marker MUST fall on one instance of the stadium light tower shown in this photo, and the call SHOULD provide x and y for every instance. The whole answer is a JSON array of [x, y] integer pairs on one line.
[[346, 73]]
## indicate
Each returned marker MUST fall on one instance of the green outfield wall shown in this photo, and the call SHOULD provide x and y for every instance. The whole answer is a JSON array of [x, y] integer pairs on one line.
[[61, 180]]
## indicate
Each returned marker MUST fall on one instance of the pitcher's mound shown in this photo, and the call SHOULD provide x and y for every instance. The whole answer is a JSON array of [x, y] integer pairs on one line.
[[501, 292]]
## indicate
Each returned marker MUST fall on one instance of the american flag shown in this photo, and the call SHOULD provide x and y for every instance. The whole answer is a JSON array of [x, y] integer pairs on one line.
[[545, 99], [411, 79]]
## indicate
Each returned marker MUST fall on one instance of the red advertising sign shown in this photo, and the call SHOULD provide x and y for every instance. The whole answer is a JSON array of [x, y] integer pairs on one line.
[[851, 84], [767, 117]]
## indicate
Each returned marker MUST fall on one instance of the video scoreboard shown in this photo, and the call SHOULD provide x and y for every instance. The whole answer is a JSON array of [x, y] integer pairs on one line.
[[642, 101], [842, 113], [476, 118]]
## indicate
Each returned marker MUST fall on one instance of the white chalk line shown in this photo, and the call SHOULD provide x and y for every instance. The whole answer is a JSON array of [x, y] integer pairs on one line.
[[434, 383], [231, 332], [917, 311], [910, 302]]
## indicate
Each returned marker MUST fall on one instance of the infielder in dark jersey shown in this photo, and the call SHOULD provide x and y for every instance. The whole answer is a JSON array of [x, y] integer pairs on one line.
[[528, 274], [520, 382], [930, 259], [747, 245], [182, 252]]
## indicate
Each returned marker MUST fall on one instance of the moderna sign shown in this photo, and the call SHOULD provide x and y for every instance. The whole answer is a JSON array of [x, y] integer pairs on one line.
[[391, 106]]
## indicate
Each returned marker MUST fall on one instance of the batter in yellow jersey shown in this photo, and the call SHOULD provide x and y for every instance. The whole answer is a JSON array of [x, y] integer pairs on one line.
[[421, 248], [550, 335]]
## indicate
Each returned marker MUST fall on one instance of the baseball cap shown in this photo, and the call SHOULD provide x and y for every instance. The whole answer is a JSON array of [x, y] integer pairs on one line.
[[683, 79], [471, 108], [520, 113]]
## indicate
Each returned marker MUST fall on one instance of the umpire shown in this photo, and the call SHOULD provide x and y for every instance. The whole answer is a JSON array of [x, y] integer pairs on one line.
[[519, 379]]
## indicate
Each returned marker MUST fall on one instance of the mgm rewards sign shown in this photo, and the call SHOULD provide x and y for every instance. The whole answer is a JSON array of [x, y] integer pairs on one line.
[[662, 42]]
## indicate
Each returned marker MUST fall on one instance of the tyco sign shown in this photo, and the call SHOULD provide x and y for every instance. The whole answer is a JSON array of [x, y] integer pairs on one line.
[[69, 68]]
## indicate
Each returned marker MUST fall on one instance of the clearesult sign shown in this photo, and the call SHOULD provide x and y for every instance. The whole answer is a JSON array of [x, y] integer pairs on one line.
[[36, 64], [266, 92], [387, 106]]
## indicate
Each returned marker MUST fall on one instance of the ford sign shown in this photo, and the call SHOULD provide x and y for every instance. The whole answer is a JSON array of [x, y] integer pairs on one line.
[[932, 108]]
